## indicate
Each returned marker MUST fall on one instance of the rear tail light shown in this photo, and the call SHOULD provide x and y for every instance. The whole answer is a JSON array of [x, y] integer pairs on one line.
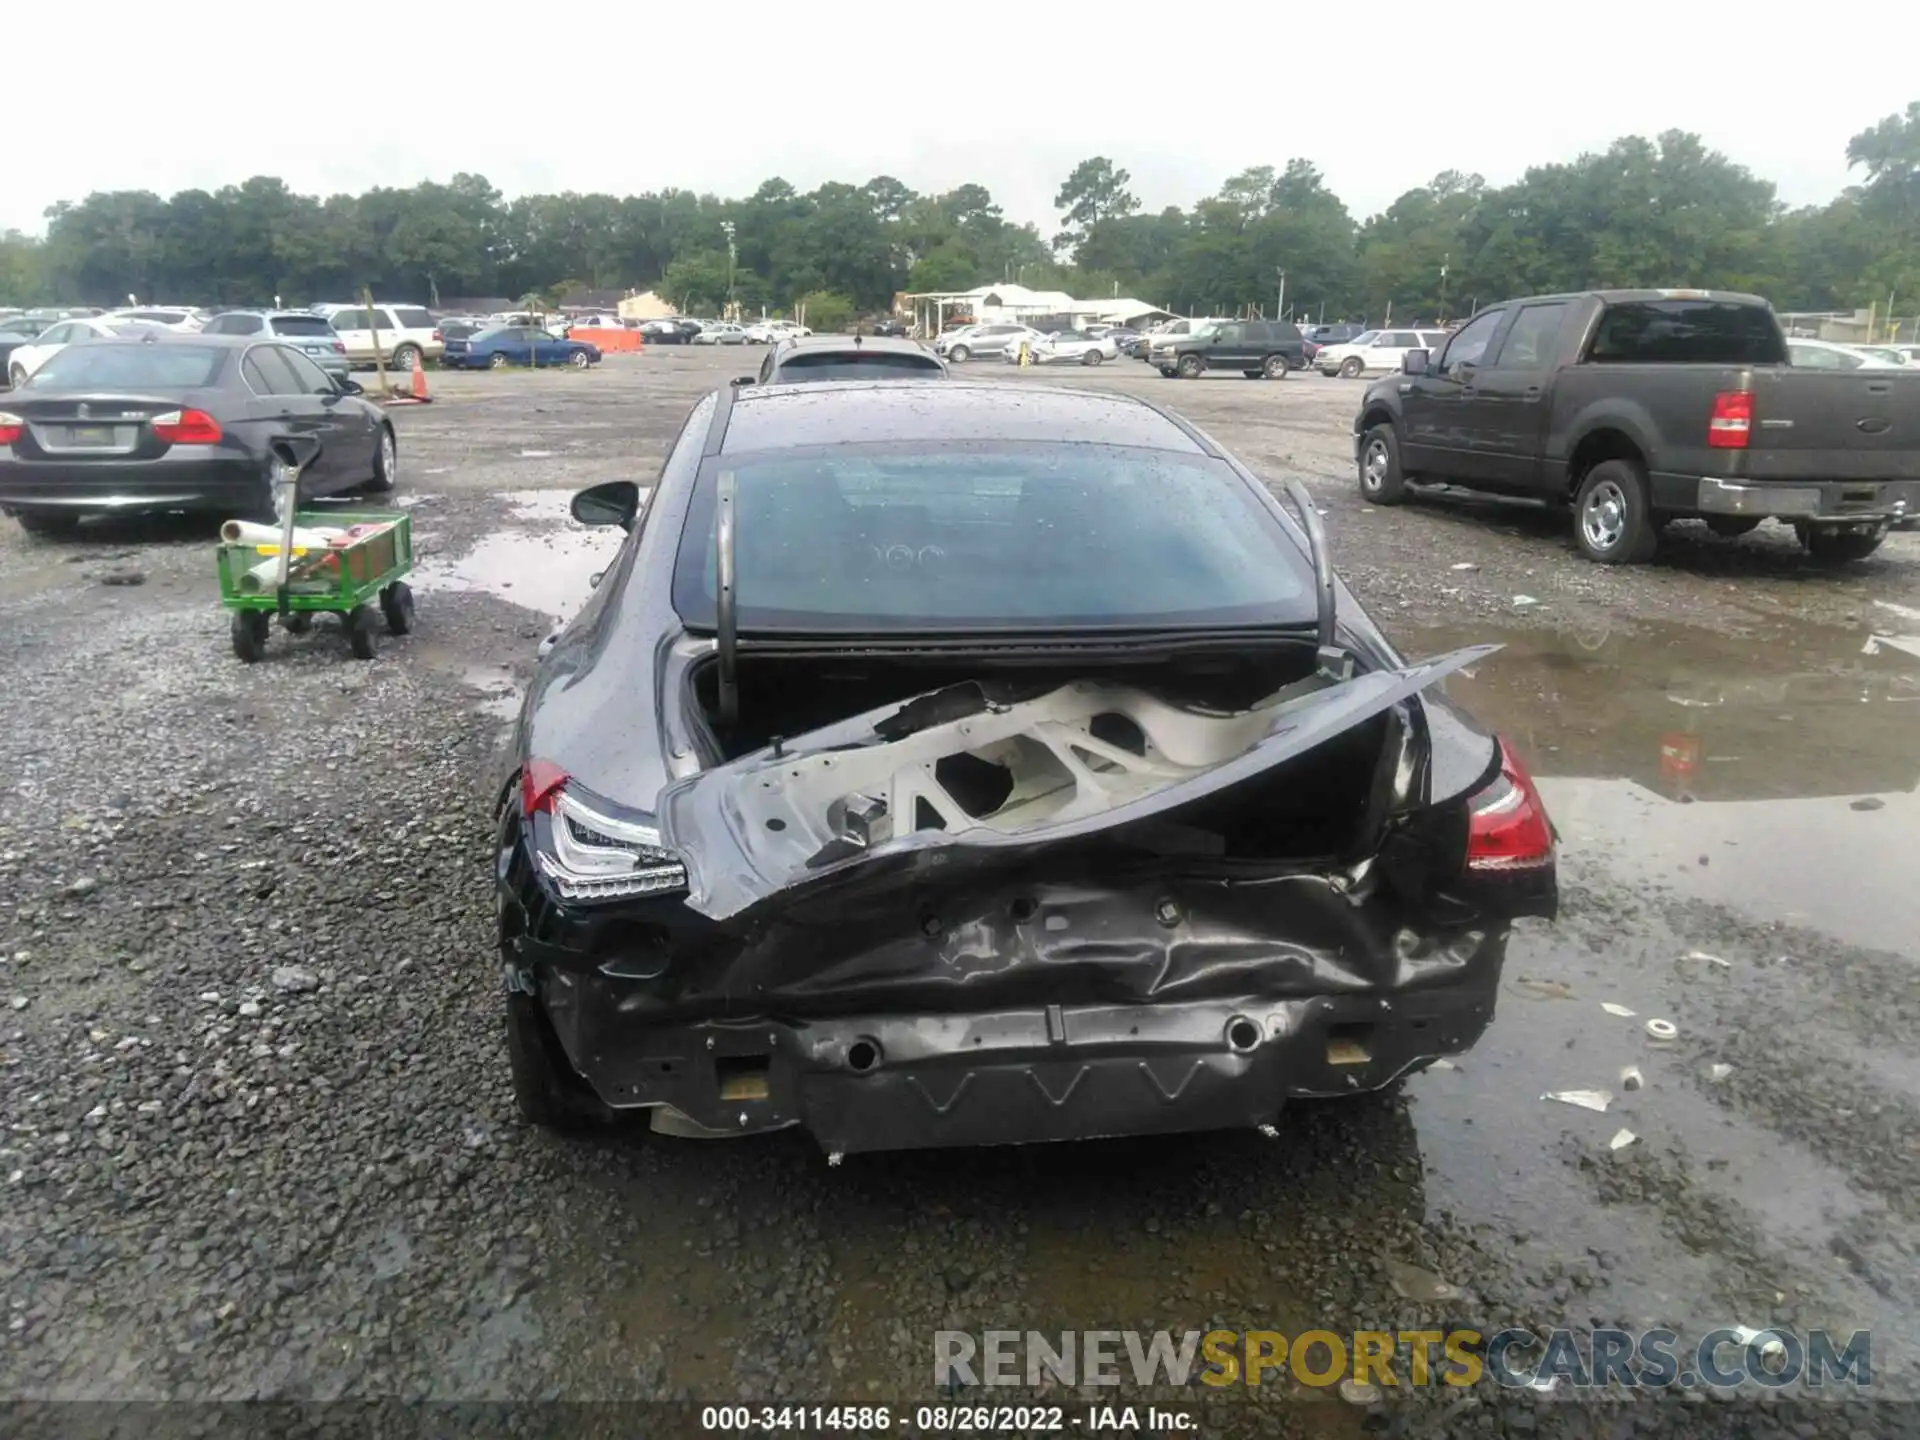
[[12, 427], [186, 427], [339, 347], [437, 337], [1507, 824], [589, 854], [1732, 420]]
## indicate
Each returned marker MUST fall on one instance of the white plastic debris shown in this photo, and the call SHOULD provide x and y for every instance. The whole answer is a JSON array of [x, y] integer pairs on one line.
[[1772, 1348], [1709, 959], [1662, 1029], [1585, 1099], [1631, 1078], [1359, 1392], [1443, 1064], [1622, 1139], [1466, 565], [1523, 601], [1717, 1073], [1620, 1010]]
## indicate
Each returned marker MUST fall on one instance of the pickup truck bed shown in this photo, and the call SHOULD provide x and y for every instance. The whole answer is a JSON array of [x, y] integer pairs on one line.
[[1639, 407]]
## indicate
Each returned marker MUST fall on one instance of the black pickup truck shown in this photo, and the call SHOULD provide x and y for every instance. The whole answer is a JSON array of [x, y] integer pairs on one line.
[[1637, 407]]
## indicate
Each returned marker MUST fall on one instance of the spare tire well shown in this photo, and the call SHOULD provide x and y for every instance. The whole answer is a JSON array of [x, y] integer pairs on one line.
[[1597, 448]]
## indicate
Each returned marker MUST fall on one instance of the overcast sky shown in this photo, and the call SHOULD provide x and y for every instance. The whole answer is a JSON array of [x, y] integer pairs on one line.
[[717, 96]]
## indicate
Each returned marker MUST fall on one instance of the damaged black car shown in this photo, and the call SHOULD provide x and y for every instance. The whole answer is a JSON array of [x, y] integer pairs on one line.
[[965, 764]]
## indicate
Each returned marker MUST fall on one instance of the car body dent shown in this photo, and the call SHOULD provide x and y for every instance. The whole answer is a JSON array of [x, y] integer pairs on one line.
[[746, 838]]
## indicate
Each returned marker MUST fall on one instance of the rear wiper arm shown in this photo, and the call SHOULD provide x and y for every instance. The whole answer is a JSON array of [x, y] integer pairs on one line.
[[1335, 662]]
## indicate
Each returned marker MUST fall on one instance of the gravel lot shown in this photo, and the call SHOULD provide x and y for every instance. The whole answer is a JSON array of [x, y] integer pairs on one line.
[[258, 1140]]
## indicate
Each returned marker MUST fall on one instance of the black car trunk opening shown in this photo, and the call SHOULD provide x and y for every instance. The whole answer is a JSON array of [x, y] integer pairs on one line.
[[1323, 805]]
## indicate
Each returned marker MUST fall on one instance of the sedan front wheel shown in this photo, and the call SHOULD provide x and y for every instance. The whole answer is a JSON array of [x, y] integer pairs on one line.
[[579, 360], [497, 360]]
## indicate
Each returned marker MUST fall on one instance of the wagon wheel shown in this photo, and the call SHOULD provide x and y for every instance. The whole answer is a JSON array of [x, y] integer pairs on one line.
[[396, 603], [360, 623], [249, 631]]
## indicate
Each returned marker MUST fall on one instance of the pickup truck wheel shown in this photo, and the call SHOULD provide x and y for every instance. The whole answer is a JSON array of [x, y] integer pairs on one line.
[[1380, 477], [1612, 517], [1190, 367], [1830, 546], [1276, 367], [1350, 369]]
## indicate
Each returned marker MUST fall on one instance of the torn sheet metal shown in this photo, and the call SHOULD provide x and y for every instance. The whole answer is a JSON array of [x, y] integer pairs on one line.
[[1082, 760]]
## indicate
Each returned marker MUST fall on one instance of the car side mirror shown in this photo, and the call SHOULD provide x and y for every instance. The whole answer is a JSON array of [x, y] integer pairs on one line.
[[614, 503], [742, 380], [349, 387], [1415, 362]]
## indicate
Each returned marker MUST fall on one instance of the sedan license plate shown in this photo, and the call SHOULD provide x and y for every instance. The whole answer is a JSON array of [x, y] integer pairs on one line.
[[91, 437]]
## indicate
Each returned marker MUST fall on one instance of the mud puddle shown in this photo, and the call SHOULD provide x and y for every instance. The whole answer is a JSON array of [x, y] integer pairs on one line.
[[1736, 817], [539, 559], [1774, 774]]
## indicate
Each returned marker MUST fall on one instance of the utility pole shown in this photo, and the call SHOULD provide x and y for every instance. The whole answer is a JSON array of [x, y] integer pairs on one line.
[[726, 227], [1443, 287], [1280, 301]]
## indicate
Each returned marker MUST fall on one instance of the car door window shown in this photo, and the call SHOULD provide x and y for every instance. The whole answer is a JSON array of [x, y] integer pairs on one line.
[[310, 378], [270, 365], [1469, 344], [1228, 334], [349, 320], [1809, 358], [1529, 344]]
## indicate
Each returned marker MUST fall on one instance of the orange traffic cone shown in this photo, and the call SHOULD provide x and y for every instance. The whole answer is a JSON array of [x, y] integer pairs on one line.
[[420, 382]]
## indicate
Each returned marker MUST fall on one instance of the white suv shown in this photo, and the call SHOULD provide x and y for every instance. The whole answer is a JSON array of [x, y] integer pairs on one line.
[[406, 333], [1377, 352]]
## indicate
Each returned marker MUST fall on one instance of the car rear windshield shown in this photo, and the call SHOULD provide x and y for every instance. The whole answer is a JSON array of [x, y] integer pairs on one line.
[[1687, 332], [302, 325], [129, 367], [991, 537], [856, 367]]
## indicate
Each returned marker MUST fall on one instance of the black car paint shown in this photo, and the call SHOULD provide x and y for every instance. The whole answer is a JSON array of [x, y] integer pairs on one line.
[[1034, 993], [230, 477], [1535, 430]]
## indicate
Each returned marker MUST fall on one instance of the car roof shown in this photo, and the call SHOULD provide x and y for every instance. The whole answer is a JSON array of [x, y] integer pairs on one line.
[[831, 412]]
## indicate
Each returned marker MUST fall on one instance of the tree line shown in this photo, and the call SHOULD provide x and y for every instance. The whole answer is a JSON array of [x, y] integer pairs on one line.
[[1655, 212]]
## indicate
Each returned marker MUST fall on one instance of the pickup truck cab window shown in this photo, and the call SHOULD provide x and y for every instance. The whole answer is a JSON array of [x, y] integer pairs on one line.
[[1469, 344], [1529, 344]]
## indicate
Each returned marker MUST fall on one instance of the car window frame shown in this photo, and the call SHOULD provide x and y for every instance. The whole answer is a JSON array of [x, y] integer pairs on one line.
[[254, 356], [322, 382], [1544, 359], [1445, 360]]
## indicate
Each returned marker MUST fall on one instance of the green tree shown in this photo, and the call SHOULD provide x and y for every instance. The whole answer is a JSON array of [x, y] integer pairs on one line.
[[697, 282], [826, 311], [1095, 191]]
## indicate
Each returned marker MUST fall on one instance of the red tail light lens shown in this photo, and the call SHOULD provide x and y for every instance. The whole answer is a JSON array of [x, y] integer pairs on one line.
[[540, 785], [437, 335], [1507, 825], [1732, 420], [339, 348], [187, 427], [12, 427]]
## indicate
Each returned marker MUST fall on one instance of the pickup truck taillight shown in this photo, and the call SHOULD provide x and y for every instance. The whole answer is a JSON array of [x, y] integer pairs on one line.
[[1732, 420]]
